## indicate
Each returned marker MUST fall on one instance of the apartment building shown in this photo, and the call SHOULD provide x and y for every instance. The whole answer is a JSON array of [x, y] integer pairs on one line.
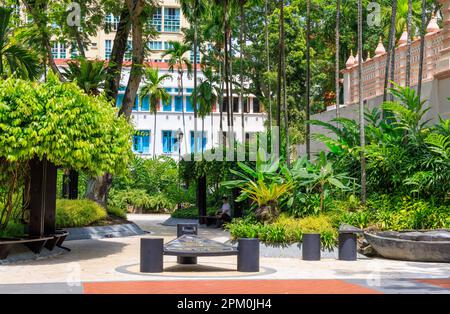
[[169, 21]]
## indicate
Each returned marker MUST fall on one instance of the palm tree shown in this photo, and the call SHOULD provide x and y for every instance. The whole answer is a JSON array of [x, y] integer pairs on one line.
[[280, 63], [408, 51], [422, 46], [286, 122], [193, 10], [266, 29], [153, 88], [213, 31], [391, 49], [403, 7], [89, 75], [241, 57], [178, 60], [14, 59], [338, 16], [308, 77], [361, 104], [226, 8], [206, 95]]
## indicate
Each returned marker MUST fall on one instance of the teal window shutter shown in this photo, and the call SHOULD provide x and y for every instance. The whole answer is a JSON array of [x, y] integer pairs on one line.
[[146, 142], [119, 100], [167, 106], [178, 104], [136, 104], [189, 107], [145, 105]]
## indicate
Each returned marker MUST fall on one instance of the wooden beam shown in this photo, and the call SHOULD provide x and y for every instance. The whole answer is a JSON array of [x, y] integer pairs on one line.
[[42, 197], [201, 198]]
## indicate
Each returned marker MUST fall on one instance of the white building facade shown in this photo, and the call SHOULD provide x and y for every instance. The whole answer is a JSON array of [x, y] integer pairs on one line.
[[169, 21], [169, 121]]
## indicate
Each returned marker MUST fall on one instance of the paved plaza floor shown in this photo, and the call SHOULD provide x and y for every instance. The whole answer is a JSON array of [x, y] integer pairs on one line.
[[112, 266]]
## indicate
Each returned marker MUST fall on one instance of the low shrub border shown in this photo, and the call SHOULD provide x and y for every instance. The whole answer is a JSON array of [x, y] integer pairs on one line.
[[78, 213], [284, 230]]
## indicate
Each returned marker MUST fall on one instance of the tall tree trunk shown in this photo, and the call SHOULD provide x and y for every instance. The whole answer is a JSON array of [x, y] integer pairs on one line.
[[391, 48], [283, 69], [79, 42], [226, 67], [422, 47], [280, 66], [220, 96], [361, 104], [308, 78], [154, 135], [195, 86], [136, 8], [114, 70], [337, 85], [230, 73], [98, 188], [241, 74], [408, 50], [181, 93], [266, 27]]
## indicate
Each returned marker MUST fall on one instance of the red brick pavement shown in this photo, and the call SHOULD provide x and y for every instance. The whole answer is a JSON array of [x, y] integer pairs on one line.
[[227, 287]]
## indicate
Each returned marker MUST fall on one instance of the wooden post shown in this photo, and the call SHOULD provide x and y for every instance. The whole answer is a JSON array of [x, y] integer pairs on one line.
[[201, 198], [42, 197], [238, 206], [73, 185]]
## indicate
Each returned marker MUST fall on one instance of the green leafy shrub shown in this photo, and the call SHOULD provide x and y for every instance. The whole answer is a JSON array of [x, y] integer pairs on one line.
[[116, 211], [78, 213], [139, 200], [387, 212], [60, 122], [160, 203], [191, 212], [13, 229], [284, 230]]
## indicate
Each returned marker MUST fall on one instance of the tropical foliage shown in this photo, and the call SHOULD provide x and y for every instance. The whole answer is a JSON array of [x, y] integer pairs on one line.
[[14, 57], [59, 122]]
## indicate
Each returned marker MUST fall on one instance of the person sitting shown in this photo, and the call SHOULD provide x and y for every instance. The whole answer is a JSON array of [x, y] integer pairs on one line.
[[224, 214]]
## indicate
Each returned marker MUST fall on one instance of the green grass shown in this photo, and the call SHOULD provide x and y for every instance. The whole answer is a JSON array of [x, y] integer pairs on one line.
[[191, 212], [14, 229], [78, 213]]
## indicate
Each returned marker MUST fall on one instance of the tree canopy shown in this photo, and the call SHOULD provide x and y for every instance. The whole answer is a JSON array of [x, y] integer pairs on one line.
[[59, 121]]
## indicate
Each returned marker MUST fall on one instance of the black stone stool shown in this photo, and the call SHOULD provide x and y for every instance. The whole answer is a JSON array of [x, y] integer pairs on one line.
[[248, 255], [152, 255], [347, 242], [187, 229], [311, 247]]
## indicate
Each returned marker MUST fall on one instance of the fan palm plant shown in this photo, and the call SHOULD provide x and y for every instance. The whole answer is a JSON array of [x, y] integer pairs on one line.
[[14, 58], [267, 197], [178, 60], [90, 75], [153, 88]]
